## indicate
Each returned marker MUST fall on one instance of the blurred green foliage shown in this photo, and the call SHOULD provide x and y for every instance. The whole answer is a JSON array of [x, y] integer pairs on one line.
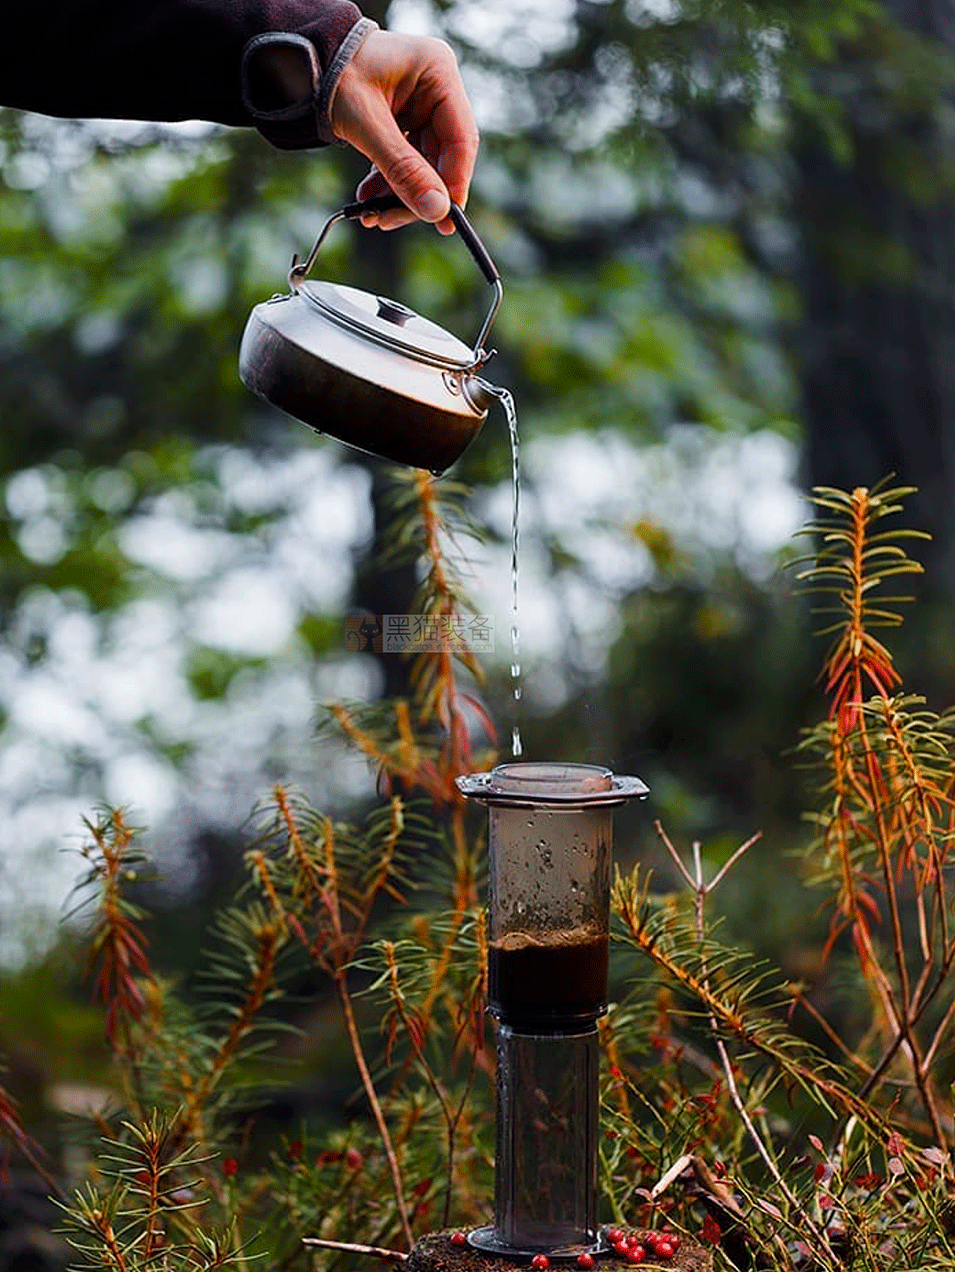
[[642, 188]]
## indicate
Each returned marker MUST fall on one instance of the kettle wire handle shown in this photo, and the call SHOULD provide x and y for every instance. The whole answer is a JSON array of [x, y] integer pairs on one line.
[[387, 202]]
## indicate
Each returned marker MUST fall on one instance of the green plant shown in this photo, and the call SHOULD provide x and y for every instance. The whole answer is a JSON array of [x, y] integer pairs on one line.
[[181, 1177], [735, 1105], [836, 1151]]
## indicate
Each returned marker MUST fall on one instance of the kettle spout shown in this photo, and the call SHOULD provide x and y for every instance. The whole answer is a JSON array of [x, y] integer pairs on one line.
[[479, 393]]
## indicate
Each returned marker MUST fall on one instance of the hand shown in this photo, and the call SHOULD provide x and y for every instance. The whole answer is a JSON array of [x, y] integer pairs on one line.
[[401, 102]]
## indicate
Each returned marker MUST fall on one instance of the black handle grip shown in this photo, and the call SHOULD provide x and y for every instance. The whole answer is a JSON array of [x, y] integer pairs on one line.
[[383, 203], [386, 202], [474, 245]]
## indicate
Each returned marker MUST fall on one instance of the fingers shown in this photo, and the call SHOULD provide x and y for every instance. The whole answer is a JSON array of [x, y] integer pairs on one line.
[[401, 102], [453, 130], [405, 169]]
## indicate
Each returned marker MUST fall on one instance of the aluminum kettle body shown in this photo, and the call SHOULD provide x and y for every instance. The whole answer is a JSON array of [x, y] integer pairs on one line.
[[367, 370]]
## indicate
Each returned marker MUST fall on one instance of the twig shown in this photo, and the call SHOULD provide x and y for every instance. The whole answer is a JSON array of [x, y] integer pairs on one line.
[[830, 1033], [376, 1252], [415, 1036], [55, 1187], [667, 1178], [372, 1096], [940, 1035], [700, 890], [910, 1044], [677, 859], [723, 870], [336, 961], [476, 1050], [727, 866]]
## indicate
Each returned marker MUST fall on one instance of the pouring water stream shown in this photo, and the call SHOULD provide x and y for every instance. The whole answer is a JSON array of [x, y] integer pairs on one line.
[[509, 408]]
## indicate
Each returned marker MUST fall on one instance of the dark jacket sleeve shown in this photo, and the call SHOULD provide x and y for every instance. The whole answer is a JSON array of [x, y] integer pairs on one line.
[[239, 62]]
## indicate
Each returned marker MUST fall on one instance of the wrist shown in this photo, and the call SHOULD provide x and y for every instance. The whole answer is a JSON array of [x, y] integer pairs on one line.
[[352, 42]]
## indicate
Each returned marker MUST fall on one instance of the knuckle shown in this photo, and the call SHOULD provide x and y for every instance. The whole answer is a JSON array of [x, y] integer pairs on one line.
[[443, 52]]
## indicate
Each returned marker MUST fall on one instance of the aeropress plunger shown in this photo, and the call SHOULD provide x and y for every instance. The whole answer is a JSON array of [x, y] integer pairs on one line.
[[550, 838]]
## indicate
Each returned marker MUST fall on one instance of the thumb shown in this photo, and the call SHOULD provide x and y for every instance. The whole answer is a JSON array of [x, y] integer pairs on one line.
[[405, 169]]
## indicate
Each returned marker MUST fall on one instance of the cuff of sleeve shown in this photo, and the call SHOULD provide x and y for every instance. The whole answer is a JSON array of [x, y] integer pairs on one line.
[[285, 90]]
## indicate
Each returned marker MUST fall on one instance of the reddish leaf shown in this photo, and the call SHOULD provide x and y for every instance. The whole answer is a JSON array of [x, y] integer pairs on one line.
[[711, 1231]]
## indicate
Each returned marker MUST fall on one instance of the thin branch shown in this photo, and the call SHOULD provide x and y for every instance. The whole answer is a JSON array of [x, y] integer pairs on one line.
[[255, 997], [818, 1234], [667, 1178], [375, 1252], [372, 1097], [414, 1033], [941, 1033], [830, 1033], [677, 860], [724, 869]]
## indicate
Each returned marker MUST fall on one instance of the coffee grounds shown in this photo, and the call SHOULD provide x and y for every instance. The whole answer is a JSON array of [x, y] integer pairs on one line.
[[548, 978]]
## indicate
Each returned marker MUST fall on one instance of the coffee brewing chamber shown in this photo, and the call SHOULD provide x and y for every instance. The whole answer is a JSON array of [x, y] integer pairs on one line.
[[549, 902], [550, 847]]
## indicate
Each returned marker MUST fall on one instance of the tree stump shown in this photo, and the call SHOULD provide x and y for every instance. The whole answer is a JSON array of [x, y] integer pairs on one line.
[[436, 1253]]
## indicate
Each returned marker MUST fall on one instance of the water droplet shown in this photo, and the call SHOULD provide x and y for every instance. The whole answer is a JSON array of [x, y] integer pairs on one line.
[[546, 854]]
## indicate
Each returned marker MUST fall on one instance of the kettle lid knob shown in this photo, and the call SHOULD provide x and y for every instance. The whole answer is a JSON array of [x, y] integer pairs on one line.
[[394, 311]]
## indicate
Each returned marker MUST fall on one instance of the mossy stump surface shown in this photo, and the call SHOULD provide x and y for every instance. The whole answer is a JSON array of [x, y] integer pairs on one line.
[[436, 1253]]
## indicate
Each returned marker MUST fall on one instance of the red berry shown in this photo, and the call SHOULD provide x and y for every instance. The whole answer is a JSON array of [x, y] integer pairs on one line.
[[540, 1261], [621, 1248], [458, 1238], [585, 1260], [229, 1167], [636, 1254], [613, 1235], [665, 1250]]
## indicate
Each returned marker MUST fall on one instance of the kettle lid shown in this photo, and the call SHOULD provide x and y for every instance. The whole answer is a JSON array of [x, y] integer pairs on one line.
[[389, 323]]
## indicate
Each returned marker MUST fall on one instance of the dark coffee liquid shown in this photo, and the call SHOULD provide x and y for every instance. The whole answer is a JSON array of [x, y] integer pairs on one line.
[[548, 979]]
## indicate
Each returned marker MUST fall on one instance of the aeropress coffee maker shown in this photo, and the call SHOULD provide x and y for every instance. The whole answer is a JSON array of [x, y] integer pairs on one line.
[[550, 841]]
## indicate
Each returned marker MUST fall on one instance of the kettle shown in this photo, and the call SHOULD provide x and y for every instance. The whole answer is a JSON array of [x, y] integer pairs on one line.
[[368, 370]]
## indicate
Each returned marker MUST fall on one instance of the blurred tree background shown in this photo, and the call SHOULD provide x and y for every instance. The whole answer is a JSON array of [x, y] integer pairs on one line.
[[728, 253]]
